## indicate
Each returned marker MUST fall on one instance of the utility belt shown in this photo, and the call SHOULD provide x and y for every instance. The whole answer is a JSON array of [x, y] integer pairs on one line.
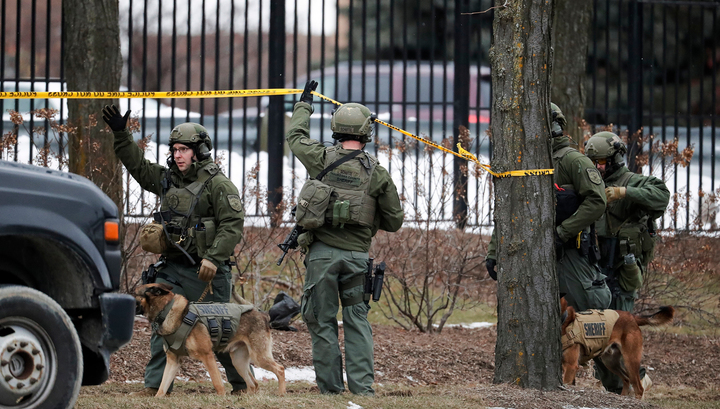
[[151, 274]]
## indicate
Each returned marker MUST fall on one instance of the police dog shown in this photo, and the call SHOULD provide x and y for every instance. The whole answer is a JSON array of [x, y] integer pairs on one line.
[[620, 350], [251, 342]]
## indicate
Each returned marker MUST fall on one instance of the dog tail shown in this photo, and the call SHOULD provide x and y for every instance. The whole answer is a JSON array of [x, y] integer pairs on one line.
[[661, 317]]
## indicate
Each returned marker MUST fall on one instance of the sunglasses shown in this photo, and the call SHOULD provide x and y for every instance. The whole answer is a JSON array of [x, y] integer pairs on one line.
[[600, 161]]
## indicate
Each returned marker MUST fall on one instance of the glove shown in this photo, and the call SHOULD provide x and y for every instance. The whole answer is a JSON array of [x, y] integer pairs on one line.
[[111, 116], [615, 193], [306, 95], [490, 265], [207, 270], [559, 246]]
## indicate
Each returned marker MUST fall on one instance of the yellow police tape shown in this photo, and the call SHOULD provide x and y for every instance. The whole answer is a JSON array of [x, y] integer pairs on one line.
[[462, 153]]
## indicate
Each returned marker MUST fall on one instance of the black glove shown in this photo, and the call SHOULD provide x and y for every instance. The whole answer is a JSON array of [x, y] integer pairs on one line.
[[306, 95], [490, 265], [111, 116], [559, 246]]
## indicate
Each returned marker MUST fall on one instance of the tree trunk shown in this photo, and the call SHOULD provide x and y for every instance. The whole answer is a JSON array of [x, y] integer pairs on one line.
[[528, 347], [93, 63], [571, 26]]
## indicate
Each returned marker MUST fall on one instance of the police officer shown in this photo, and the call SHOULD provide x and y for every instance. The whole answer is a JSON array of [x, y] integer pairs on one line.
[[365, 200], [580, 203], [626, 230], [203, 218]]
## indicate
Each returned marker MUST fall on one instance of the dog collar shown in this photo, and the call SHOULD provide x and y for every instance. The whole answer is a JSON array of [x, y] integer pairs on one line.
[[164, 313]]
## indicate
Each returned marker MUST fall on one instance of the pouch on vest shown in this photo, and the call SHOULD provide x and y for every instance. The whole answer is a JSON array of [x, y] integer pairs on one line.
[[152, 238], [340, 213], [204, 235], [630, 275], [313, 201]]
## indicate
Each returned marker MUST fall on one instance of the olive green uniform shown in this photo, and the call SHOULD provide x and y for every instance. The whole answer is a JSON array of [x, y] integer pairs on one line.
[[625, 223], [627, 220], [335, 264], [220, 203], [581, 283]]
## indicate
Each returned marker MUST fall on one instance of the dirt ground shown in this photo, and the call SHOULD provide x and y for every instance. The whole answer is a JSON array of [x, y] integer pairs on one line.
[[460, 356]]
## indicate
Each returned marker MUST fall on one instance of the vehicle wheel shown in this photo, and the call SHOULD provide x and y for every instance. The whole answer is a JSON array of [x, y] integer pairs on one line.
[[41, 362]]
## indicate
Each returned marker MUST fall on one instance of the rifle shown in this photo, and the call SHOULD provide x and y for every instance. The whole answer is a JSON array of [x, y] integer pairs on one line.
[[290, 242]]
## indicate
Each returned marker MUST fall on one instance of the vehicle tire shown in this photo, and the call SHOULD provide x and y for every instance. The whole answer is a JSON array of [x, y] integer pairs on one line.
[[41, 363]]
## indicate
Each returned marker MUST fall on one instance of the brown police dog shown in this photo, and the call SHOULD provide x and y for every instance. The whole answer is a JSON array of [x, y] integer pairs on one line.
[[252, 342], [621, 350]]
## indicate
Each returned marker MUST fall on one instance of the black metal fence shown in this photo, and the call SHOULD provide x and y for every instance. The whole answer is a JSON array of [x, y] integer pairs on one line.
[[422, 66]]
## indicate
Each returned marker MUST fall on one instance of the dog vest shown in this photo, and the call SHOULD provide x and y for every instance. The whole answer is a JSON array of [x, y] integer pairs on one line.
[[591, 329], [220, 319]]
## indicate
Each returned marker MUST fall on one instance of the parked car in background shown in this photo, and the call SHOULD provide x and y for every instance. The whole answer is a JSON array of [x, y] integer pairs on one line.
[[417, 97]]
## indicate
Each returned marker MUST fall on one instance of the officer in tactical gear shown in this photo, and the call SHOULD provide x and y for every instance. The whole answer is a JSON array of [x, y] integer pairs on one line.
[[361, 198], [626, 230], [199, 223], [581, 200]]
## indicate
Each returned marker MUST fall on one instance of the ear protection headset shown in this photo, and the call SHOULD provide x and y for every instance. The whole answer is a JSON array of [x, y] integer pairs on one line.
[[203, 147]]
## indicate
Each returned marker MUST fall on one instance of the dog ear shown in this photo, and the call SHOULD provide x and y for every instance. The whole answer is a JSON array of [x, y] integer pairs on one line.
[[569, 316], [166, 287], [158, 290]]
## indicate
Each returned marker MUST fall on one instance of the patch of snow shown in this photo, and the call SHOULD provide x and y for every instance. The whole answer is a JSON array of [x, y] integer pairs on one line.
[[352, 405], [472, 325]]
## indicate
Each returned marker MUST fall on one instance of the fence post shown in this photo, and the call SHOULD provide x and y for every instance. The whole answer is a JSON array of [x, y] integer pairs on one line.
[[635, 79], [276, 111], [461, 107]]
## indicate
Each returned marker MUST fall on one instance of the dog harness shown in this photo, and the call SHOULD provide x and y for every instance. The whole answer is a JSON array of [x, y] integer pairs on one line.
[[221, 320], [591, 329]]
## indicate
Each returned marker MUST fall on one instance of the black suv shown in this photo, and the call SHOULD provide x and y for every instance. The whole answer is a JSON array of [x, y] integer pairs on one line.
[[60, 315]]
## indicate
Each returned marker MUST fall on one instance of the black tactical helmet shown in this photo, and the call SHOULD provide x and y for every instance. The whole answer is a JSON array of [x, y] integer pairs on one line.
[[352, 121], [194, 136]]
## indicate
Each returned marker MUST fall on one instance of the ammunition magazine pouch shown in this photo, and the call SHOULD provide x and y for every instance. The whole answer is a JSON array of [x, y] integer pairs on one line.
[[204, 232], [633, 239]]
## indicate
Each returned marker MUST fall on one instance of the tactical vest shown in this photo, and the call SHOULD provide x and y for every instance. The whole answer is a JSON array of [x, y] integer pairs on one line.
[[184, 226], [349, 201], [633, 237], [591, 329], [221, 320]]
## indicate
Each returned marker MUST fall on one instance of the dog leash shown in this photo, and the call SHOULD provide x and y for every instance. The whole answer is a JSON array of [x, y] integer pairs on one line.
[[207, 288]]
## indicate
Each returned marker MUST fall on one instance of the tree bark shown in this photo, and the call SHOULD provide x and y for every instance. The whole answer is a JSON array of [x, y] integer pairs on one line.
[[528, 347], [571, 26], [93, 63]]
